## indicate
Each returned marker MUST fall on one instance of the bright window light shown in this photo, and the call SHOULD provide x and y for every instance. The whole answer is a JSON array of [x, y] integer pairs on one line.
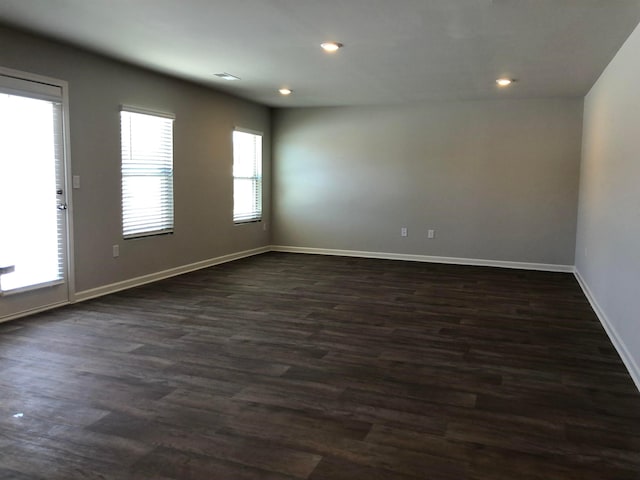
[[30, 130], [247, 177], [147, 174]]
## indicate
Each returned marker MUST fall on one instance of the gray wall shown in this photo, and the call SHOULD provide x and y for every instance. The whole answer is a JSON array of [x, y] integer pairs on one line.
[[202, 160], [497, 180], [608, 239]]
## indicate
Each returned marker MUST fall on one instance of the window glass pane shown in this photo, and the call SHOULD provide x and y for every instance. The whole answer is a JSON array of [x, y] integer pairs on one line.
[[247, 173], [243, 191], [30, 225], [147, 174]]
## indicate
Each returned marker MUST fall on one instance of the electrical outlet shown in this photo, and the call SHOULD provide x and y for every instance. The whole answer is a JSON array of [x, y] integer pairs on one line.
[[403, 232], [116, 251], [431, 233], [76, 181], [264, 226]]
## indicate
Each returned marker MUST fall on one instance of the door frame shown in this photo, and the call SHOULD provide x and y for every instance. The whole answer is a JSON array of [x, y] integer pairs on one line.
[[67, 176]]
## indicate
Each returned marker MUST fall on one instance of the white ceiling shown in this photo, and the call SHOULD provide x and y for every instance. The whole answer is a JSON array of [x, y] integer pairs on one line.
[[395, 50]]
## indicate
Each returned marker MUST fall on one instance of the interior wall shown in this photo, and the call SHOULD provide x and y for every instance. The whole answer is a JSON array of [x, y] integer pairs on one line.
[[608, 237], [496, 180], [204, 227]]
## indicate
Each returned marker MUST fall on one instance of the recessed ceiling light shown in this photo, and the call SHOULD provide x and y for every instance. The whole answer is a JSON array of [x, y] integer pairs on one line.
[[505, 82], [331, 46], [226, 76], [285, 91]]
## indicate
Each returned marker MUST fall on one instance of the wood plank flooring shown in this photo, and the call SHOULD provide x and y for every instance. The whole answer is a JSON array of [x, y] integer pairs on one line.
[[285, 366]]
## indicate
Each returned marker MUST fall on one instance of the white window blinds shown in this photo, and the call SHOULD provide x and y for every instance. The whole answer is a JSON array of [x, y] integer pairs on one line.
[[247, 176], [147, 173]]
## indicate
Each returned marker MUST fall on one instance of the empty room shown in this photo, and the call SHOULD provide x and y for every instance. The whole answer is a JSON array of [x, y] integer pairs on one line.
[[323, 240]]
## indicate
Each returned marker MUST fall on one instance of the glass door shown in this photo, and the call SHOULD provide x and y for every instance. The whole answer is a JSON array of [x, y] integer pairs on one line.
[[33, 218]]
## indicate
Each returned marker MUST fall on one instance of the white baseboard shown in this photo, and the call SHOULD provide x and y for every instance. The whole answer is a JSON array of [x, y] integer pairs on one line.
[[172, 272], [33, 311], [614, 336], [426, 258]]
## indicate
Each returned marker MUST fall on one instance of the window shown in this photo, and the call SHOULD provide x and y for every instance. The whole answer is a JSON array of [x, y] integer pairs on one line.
[[147, 173], [247, 176], [33, 230]]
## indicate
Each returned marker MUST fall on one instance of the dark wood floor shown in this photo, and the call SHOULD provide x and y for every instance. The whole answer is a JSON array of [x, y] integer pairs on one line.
[[286, 366]]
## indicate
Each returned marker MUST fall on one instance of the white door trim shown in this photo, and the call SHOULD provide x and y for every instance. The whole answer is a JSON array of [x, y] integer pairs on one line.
[[64, 87]]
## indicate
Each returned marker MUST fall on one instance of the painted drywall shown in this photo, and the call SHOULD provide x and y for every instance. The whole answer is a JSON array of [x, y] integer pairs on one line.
[[608, 236], [496, 180], [202, 161]]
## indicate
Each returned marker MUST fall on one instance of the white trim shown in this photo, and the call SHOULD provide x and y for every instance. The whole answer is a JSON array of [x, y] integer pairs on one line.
[[31, 288], [63, 98], [68, 197], [48, 88], [248, 130], [147, 111], [30, 89], [34, 77], [625, 355], [614, 336], [33, 311], [172, 272], [546, 267]]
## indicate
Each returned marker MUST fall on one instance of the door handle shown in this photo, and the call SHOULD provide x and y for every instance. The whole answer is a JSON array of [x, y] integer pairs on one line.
[[62, 206]]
